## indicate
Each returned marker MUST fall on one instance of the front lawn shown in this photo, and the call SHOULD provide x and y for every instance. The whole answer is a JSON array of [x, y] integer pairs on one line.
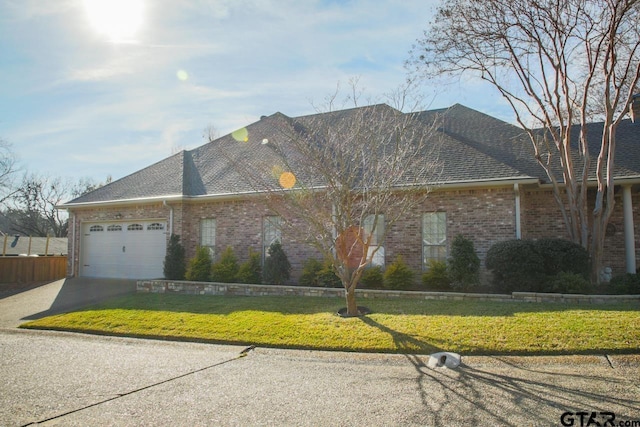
[[395, 326]]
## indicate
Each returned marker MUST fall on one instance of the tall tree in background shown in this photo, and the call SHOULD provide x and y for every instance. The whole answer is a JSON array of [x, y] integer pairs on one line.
[[557, 63], [34, 212], [341, 179], [7, 170], [32, 205]]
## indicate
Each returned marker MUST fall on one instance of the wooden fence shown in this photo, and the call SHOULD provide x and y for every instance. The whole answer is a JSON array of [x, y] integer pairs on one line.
[[21, 269]]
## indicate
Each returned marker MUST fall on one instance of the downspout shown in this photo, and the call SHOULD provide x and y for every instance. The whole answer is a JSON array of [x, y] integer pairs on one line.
[[73, 244], [516, 190], [629, 235], [164, 202]]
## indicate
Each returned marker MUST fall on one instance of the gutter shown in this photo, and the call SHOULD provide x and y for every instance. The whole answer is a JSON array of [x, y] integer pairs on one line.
[[497, 182], [165, 204]]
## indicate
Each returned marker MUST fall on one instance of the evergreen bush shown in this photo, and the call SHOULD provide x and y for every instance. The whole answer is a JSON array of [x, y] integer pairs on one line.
[[561, 255], [516, 266], [464, 264], [310, 270], [372, 277], [398, 275], [199, 269], [225, 270], [251, 270], [175, 265], [327, 278], [568, 283], [277, 268], [436, 278], [626, 284]]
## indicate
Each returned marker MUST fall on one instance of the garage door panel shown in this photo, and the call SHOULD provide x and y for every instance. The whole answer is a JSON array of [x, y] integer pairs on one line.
[[133, 250]]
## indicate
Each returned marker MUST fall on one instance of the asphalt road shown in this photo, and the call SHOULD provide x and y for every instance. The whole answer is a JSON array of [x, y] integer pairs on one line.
[[54, 378]]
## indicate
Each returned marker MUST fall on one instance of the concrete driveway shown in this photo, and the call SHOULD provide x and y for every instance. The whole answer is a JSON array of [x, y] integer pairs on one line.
[[54, 378], [58, 297]]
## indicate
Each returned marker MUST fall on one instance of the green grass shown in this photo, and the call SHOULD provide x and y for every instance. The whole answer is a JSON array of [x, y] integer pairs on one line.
[[396, 325]]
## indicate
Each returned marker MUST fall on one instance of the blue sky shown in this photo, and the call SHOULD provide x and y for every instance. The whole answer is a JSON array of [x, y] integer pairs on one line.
[[85, 95]]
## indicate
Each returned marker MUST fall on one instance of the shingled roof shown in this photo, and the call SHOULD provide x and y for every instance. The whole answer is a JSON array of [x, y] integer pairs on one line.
[[473, 147]]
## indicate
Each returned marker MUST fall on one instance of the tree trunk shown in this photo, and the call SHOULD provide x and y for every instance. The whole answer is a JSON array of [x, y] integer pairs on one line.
[[352, 307]]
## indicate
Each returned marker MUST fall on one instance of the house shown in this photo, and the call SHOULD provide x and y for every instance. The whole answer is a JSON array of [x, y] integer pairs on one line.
[[491, 189]]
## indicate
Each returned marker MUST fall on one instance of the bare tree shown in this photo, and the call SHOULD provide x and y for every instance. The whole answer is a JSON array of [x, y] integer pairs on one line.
[[341, 179], [34, 211], [32, 205], [558, 63], [7, 170]]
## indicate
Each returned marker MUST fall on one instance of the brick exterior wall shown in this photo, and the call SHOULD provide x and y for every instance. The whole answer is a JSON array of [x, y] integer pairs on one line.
[[541, 217], [485, 216]]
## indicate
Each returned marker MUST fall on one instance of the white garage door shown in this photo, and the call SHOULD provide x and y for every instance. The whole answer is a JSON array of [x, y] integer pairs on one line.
[[131, 250]]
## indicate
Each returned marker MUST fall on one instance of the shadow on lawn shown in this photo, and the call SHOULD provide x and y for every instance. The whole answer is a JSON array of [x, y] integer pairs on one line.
[[405, 344], [224, 305]]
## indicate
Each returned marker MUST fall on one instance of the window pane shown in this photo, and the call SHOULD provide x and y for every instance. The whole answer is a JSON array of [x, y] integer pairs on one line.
[[378, 232], [376, 238], [271, 232], [434, 237], [208, 235]]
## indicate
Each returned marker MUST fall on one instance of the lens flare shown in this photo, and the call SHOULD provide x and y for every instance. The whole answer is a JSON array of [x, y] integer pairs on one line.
[[182, 75], [241, 135], [287, 180]]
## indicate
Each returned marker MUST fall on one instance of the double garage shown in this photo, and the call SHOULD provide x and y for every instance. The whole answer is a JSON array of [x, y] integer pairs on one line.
[[123, 249]]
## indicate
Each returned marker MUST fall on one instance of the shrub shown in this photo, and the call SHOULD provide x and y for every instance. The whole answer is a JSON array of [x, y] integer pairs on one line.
[[327, 277], [277, 268], [516, 266], [436, 278], [464, 264], [225, 270], [627, 284], [316, 273], [561, 255], [398, 275], [372, 277], [199, 269], [568, 283], [310, 270], [175, 265], [251, 270]]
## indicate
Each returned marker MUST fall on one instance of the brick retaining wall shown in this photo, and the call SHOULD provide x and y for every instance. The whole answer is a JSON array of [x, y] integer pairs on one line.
[[214, 288]]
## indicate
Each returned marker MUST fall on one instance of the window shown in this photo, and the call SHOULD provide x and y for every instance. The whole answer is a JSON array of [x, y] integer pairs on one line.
[[155, 226], [114, 228], [135, 227], [371, 225], [96, 228], [271, 233], [208, 235], [434, 237]]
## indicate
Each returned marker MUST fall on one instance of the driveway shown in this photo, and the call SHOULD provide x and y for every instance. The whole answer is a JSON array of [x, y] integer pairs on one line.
[[58, 297], [54, 378]]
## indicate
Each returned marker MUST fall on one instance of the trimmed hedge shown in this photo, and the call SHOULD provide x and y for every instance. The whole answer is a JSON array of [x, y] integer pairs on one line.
[[534, 266], [627, 284]]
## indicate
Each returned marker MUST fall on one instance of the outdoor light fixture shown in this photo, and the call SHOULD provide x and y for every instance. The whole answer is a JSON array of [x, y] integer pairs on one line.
[[634, 107]]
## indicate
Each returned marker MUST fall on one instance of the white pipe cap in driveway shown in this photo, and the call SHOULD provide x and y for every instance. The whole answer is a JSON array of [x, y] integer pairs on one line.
[[444, 359]]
